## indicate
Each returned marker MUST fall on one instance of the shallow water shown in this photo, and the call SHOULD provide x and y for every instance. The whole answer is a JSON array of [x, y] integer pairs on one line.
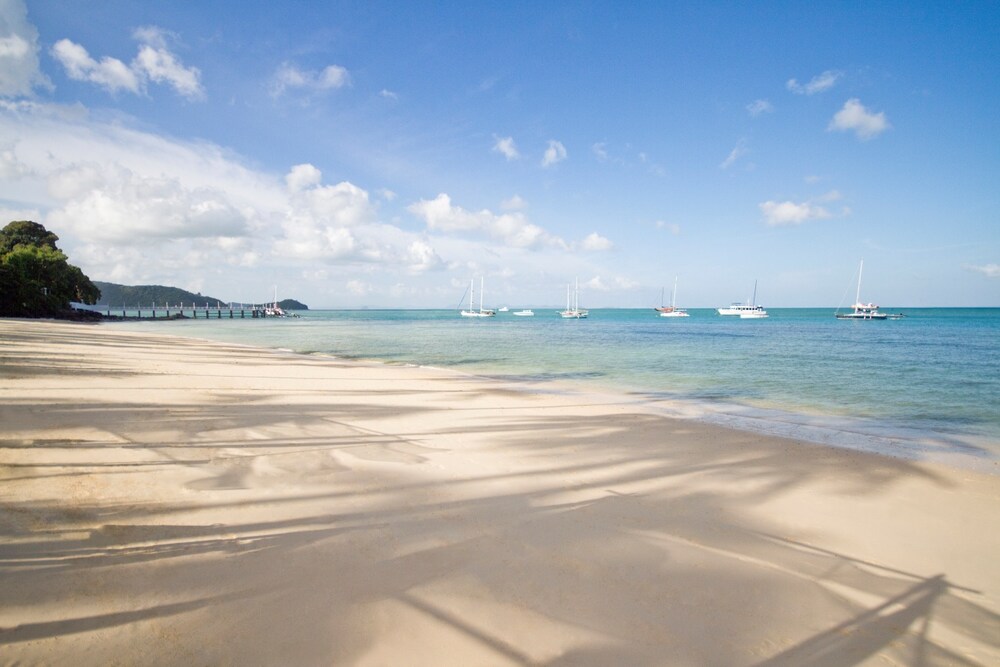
[[926, 385]]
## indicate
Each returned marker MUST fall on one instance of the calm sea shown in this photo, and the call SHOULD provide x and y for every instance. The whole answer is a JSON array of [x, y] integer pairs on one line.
[[927, 386]]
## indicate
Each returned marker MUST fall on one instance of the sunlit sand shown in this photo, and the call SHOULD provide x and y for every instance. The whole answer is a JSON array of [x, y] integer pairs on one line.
[[173, 501]]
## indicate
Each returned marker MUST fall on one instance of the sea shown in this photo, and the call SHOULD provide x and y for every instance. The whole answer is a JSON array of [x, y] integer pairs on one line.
[[924, 387]]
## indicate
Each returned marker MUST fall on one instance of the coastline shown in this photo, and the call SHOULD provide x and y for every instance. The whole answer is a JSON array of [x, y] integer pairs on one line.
[[170, 499]]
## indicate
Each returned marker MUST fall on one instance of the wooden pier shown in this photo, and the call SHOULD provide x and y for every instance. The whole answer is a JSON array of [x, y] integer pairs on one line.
[[192, 311]]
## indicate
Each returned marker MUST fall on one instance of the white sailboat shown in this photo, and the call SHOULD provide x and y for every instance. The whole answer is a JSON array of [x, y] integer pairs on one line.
[[862, 311], [573, 310], [482, 312], [672, 310]]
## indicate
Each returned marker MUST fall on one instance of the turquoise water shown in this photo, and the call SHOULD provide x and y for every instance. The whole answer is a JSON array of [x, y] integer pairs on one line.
[[928, 384]]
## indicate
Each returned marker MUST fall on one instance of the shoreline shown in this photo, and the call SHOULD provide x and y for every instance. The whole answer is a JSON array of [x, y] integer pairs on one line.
[[176, 498], [891, 438]]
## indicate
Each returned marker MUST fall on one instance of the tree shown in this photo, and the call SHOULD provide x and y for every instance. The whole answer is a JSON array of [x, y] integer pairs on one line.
[[25, 232], [35, 278]]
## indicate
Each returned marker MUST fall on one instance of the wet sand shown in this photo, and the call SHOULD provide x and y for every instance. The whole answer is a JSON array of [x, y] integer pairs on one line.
[[174, 501]]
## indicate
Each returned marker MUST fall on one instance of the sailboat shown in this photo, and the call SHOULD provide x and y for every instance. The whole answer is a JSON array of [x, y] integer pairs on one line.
[[482, 312], [672, 310], [747, 311], [573, 311], [863, 311]]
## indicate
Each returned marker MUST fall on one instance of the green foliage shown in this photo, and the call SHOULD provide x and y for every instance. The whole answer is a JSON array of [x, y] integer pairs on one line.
[[35, 278], [25, 232], [292, 304]]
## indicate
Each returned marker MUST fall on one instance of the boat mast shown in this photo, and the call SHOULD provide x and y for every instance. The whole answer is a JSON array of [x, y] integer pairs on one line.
[[753, 301], [673, 295], [857, 297], [481, 279]]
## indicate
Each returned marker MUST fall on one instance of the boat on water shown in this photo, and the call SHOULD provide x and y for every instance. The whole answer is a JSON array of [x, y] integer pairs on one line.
[[482, 312], [865, 311], [524, 313], [746, 311], [573, 310], [672, 310], [502, 309]]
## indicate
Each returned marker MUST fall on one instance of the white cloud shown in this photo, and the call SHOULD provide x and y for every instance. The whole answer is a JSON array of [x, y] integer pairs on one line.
[[303, 176], [512, 229], [671, 227], [332, 206], [358, 287], [159, 65], [11, 166], [154, 63], [596, 242], [738, 151], [388, 94], [110, 73], [855, 117], [505, 146], [19, 67], [131, 206], [555, 153], [600, 150], [515, 203], [114, 204], [988, 270], [817, 84], [290, 77], [758, 107], [778, 214]]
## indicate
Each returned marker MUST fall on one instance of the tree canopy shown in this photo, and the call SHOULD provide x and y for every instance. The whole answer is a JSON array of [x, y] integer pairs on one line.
[[36, 280]]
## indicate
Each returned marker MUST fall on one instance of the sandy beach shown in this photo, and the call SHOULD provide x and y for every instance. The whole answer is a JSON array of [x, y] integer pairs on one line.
[[173, 501]]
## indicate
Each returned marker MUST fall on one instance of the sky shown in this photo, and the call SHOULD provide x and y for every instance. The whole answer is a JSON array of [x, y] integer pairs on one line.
[[384, 154]]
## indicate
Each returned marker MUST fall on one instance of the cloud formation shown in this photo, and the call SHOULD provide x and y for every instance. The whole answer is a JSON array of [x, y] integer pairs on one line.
[[114, 204], [817, 84], [505, 146], [988, 270], [19, 67], [855, 117], [512, 229], [738, 151], [154, 63], [758, 107], [596, 242], [290, 77], [785, 213], [554, 154]]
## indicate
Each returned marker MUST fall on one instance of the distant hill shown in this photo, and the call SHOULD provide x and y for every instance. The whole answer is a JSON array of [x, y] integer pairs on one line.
[[159, 295], [292, 304]]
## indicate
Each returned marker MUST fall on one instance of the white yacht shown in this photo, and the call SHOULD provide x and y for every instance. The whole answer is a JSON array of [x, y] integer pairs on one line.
[[524, 313], [746, 311]]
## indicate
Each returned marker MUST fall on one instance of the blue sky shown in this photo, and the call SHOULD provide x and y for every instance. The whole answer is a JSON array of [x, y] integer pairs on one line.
[[382, 154]]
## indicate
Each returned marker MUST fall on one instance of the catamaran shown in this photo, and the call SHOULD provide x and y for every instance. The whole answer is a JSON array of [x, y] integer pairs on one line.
[[863, 311], [573, 311], [482, 312], [672, 310], [747, 311]]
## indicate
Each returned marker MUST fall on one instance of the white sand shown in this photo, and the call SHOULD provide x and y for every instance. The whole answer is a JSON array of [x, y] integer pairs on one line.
[[170, 501]]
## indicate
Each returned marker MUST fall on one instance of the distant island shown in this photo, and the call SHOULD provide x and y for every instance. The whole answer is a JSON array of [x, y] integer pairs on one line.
[[114, 295]]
